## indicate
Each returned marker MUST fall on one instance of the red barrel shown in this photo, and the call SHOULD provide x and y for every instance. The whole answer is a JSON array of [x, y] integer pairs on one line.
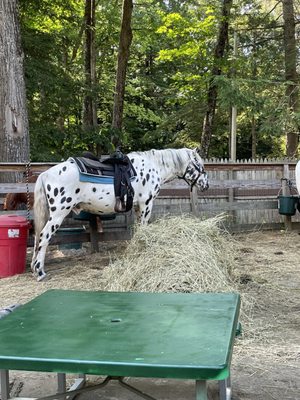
[[13, 244]]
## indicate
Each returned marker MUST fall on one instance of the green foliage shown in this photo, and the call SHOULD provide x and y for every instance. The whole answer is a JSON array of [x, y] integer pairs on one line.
[[168, 75]]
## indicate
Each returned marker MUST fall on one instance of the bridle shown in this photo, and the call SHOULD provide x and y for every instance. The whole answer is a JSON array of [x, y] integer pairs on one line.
[[200, 171]]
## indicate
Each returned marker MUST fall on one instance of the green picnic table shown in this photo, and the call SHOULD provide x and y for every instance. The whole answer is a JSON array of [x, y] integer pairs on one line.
[[122, 334]]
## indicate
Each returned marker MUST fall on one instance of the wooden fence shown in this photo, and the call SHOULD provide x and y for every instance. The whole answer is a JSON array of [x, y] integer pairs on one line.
[[247, 191]]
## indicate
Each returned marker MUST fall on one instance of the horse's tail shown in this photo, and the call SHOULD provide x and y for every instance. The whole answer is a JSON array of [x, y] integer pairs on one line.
[[41, 210]]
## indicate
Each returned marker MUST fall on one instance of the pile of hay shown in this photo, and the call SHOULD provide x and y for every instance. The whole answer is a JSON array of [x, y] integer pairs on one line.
[[176, 254]]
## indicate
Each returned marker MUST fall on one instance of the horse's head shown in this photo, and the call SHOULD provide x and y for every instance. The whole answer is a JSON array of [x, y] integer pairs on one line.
[[194, 173]]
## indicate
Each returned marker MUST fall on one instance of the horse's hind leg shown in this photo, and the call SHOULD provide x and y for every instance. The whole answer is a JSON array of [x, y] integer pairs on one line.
[[41, 244]]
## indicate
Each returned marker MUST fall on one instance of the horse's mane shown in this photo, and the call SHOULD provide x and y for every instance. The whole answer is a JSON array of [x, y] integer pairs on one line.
[[178, 157]]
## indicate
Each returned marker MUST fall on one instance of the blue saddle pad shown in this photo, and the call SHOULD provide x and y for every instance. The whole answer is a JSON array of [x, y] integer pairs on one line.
[[104, 180]]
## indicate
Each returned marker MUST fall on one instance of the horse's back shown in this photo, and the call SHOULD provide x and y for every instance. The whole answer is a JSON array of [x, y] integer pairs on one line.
[[62, 173]]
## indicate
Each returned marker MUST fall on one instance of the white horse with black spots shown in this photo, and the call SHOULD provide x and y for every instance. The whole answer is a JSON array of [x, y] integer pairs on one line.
[[59, 191]]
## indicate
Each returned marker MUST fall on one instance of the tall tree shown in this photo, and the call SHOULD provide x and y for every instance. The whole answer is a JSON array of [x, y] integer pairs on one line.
[[291, 75], [89, 119], [123, 57], [14, 136], [212, 94]]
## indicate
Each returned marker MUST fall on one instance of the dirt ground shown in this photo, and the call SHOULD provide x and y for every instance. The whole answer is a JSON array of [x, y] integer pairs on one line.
[[266, 359]]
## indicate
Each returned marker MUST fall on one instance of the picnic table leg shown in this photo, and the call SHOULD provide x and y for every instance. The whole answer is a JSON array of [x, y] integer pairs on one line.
[[225, 389], [62, 387], [4, 384], [201, 390], [61, 382]]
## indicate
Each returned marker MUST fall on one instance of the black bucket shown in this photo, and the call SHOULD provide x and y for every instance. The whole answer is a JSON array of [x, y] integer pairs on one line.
[[287, 205], [70, 231], [86, 216]]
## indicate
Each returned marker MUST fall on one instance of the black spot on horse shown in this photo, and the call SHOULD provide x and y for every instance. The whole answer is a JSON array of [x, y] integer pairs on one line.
[[37, 265], [47, 236], [56, 226], [147, 177], [69, 199], [48, 187], [63, 199], [94, 189], [63, 207], [50, 218], [52, 228], [55, 192], [156, 187], [39, 249], [59, 172], [132, 160], [53, 209], [77, 190], [107, 193], [144, 182], [148, 200], [100, 198], [147, 212], [51, 201], [40, 273], [140, 194], [61, 189], [64, 168], [68, 208]]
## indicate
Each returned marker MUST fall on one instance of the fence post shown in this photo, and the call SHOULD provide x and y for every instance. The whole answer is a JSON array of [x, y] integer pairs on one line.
[[94, 234], [286, 192], [194, 201], [231, 196]]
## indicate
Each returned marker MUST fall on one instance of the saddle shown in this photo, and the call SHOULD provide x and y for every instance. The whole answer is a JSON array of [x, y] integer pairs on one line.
[[115, 169]]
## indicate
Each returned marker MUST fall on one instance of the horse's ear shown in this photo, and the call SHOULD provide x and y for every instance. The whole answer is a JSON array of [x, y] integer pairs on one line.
[[198, 151]]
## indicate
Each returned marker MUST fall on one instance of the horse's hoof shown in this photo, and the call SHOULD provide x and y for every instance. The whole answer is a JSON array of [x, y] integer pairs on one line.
[[41, 277]]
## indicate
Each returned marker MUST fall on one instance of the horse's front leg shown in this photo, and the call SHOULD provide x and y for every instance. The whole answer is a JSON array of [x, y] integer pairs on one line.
[[40, 246], [143, 211]]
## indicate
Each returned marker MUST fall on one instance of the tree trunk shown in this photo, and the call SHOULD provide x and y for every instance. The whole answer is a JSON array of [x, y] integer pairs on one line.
[[212, 94], [123, 56], [253, 137], [253, 119], [14, 136], [291, 74], [89, 119]]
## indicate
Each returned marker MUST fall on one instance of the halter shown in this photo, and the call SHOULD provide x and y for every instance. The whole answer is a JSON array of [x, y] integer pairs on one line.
[[200, 172]]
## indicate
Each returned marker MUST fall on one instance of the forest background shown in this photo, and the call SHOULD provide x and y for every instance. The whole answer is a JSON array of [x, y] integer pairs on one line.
[[188, 67]]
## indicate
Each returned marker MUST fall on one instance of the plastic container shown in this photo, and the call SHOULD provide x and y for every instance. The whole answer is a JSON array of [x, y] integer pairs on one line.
[[13, 244], [287, 204]]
